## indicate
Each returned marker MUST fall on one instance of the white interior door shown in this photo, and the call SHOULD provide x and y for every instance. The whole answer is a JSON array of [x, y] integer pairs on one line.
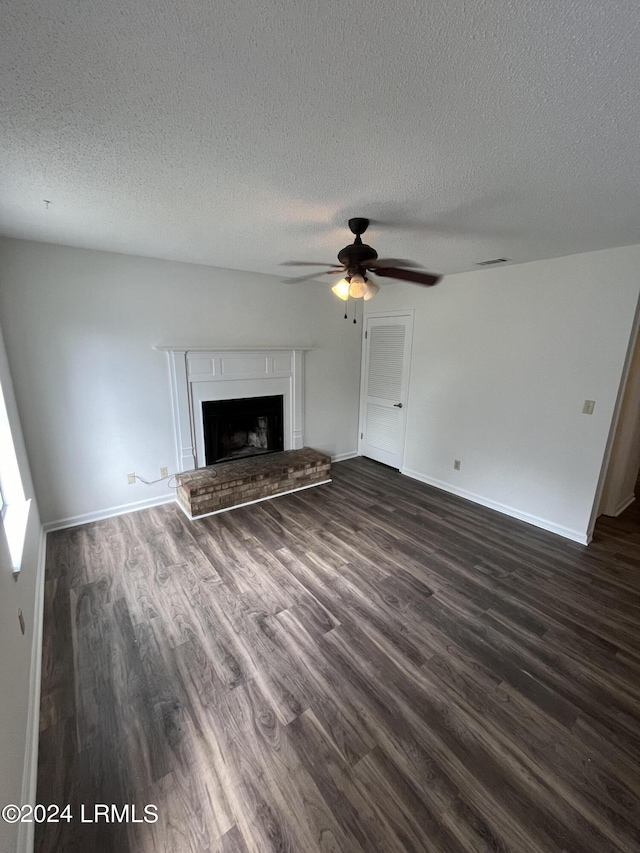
[[385, 382]]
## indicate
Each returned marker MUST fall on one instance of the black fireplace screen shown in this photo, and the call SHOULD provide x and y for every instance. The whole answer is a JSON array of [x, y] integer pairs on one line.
[[250, 426]]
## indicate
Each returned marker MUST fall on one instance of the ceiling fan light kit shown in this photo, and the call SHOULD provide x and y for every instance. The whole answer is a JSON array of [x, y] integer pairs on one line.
[[357, 286], [358, 259], [341, 289], [371, 291]]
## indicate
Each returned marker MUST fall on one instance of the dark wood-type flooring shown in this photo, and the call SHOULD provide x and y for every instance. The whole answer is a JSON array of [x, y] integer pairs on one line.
[[372, 665]]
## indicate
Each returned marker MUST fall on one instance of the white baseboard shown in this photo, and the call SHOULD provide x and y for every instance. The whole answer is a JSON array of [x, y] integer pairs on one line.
[[248, 503], [99, 515], [624, 504], [568, 533], [30, 771], [342, 456], [75, 520]]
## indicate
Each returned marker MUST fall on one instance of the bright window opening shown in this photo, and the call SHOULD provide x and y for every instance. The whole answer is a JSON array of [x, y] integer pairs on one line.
[[14, 507]]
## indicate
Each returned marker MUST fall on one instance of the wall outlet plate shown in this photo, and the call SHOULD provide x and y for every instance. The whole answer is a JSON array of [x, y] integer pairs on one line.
[[588, 407], [164, 472], [456, 464], [131, 479]]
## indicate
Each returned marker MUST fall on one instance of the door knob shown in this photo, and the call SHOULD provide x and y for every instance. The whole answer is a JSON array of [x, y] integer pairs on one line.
[[397, 405]]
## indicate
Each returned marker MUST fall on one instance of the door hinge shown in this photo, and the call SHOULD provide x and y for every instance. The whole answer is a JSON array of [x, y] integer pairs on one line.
[[361, 435], [365, 335]]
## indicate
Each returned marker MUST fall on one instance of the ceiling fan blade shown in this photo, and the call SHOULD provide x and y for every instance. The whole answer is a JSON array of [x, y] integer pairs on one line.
[[308, 264], [312, 275], [391, 262], [425, 278]]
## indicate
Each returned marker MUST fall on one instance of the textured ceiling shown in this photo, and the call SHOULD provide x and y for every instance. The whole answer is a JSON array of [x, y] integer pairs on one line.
[[241, 134]]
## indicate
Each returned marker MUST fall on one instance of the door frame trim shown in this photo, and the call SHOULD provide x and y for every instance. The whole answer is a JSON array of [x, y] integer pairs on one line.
[[406, 312]]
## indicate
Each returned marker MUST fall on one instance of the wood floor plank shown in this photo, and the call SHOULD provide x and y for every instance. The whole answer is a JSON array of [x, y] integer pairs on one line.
[[58, 669], [373, 665], [357, 811], [407, 813], [324, 690]]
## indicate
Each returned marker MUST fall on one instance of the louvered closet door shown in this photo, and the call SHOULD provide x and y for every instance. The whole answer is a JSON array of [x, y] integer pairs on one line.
[[385, 384]]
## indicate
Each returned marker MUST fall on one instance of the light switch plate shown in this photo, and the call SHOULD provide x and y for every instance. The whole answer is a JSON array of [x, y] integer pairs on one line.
[[588, 407]]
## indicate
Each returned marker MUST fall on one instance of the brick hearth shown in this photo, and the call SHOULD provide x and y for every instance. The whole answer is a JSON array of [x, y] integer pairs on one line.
[[228, 484]]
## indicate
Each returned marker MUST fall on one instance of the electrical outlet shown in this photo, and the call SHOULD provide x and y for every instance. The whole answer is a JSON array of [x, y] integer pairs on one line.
[[131, 479], [164, 472], [588, 407], [456, 464]]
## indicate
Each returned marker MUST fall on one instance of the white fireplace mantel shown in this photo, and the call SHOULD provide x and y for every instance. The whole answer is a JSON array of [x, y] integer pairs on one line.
[[201, 374]]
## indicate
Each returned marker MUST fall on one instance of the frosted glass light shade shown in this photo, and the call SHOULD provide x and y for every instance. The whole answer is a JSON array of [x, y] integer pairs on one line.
[[341, 289], [357, 287], [371, 291]]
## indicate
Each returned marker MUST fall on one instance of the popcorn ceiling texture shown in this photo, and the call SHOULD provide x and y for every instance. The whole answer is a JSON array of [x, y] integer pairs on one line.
[[242, 134]]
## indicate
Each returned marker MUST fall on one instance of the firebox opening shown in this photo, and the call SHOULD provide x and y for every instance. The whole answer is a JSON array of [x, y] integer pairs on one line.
[[250, 426]]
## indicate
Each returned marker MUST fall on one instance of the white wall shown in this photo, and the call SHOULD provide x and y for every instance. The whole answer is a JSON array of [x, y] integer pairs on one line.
[[93, 394], [622, 470], [503, 360], [18, 666]]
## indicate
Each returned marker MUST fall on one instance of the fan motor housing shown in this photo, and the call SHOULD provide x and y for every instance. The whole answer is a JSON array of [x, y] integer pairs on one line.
[[357, 255]]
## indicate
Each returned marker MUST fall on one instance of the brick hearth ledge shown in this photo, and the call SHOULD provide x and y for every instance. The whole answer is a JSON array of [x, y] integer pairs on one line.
[[205, 491]]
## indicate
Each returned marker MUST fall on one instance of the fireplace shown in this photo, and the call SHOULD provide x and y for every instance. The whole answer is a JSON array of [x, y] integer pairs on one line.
[[234, 429], [200, 375]]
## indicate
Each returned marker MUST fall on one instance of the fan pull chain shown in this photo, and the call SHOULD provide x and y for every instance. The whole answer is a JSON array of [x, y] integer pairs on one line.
[[355, 305], [345, 308]]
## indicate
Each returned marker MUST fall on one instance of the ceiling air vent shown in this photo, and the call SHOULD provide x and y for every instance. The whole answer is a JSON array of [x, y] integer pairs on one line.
[[492, 261]]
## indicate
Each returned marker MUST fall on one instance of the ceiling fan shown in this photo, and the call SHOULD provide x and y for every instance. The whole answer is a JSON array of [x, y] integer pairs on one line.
[[358, 260]]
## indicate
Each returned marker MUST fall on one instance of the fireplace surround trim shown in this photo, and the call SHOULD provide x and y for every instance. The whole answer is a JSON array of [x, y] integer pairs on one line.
[[200, 374]]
